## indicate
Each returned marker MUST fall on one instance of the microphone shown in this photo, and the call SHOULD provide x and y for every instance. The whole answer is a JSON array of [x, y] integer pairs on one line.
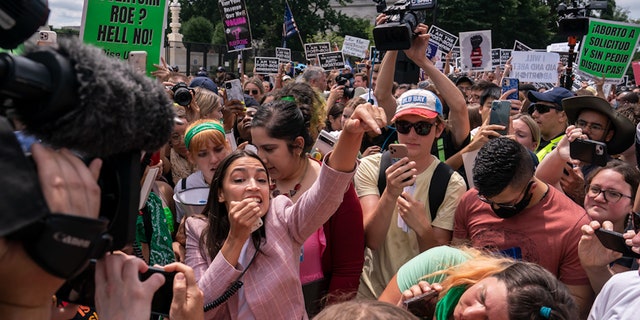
[[77, 97]]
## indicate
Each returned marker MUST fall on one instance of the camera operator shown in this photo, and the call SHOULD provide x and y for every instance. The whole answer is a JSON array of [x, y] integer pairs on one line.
[[70, 188]]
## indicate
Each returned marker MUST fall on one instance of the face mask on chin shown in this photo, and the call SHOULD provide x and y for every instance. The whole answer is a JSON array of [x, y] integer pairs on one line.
[[506, 212]]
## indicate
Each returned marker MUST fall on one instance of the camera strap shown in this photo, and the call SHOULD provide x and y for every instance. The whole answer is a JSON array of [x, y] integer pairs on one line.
[[63, 244]]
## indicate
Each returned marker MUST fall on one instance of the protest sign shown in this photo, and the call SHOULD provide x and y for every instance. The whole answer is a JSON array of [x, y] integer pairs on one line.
[[331, 60], [475, 50], [608, 48], [266, 65], [119, 28], [283, 54], [533, 66], [432, 50], [355, 46], [519, 46], [235, 20], [311, 50], [636, 72], [495, 57], [445, 40], [505, 54]]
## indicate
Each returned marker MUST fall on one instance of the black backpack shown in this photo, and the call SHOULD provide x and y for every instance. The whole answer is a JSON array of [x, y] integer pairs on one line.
[[442, 174]]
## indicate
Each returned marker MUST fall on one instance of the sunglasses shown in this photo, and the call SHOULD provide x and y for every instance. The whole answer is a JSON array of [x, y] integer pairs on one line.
[[541, 108], [254, 91], [422, 128]]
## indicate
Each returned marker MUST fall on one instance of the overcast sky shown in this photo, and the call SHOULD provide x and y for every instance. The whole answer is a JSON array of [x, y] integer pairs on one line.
[[69, 12]]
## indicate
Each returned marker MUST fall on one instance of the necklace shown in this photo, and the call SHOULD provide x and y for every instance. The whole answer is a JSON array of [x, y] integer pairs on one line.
[[276, 192]]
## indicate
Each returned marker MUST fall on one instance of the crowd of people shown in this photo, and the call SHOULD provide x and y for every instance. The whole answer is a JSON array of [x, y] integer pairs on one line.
[[486, 220]]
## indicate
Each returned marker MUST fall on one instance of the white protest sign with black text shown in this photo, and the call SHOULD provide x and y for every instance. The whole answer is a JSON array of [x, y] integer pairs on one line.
[[355, 46], [533, 66], [445, 40]]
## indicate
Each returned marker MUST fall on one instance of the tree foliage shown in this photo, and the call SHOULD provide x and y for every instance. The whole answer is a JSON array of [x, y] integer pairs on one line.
[[533, 22], [197, 29]]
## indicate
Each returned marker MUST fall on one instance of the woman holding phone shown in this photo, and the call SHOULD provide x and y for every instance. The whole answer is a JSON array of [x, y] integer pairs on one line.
[[610, 192], [229, 247]]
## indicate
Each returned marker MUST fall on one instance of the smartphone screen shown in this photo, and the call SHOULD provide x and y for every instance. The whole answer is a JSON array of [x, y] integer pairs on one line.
[[589, 151], [508, 84], [615, 241], [500, 111]]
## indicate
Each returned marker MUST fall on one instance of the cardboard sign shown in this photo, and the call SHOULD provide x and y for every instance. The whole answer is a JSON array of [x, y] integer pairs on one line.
[[284, 54], [475, 50], [266, 65], [311, 50], [331, 60], [121, 27], [355, 46], [533, 66], [445, 40], [608, 48], [495, 57], [519, 46]]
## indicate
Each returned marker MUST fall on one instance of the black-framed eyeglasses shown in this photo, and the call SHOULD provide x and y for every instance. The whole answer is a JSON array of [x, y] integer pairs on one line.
[[541, 108], [422, 128], [254, 91], [609, 195], [592, 126], [511, 206]]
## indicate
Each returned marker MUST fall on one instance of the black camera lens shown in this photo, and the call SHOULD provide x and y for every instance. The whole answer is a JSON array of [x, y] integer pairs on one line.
[[181, 94]]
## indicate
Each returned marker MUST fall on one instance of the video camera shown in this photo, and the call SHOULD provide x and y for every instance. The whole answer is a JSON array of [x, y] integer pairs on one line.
[[347, 92], [574, 19], [402, 18]]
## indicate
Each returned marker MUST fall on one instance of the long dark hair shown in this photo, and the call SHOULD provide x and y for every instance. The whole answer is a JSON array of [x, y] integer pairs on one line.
[[285, 121], [217, 230]]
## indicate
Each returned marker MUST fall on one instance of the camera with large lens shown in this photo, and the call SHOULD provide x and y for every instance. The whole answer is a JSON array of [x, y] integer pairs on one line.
[[574, 19], [402, 18], [347, 92], [182, 93]]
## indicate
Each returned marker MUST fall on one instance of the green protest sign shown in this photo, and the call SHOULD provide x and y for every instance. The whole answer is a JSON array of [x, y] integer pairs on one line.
[[122, 26], [608, 48]]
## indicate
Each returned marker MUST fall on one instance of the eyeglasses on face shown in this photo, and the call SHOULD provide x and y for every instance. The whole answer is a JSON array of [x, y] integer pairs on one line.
[[422, 128], [541, 108], [609, 195], [253, 92], [592, 126], [504, 205]]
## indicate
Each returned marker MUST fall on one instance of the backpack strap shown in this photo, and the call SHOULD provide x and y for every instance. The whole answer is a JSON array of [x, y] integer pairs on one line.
[[438, 187], [385, 162], [183, 183]]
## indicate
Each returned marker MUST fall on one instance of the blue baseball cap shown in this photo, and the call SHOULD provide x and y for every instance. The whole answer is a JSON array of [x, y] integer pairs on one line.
[[555, 96], [204, 82]]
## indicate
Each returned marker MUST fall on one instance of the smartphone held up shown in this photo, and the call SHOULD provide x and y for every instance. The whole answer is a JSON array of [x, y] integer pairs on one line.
[[500, 112]]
